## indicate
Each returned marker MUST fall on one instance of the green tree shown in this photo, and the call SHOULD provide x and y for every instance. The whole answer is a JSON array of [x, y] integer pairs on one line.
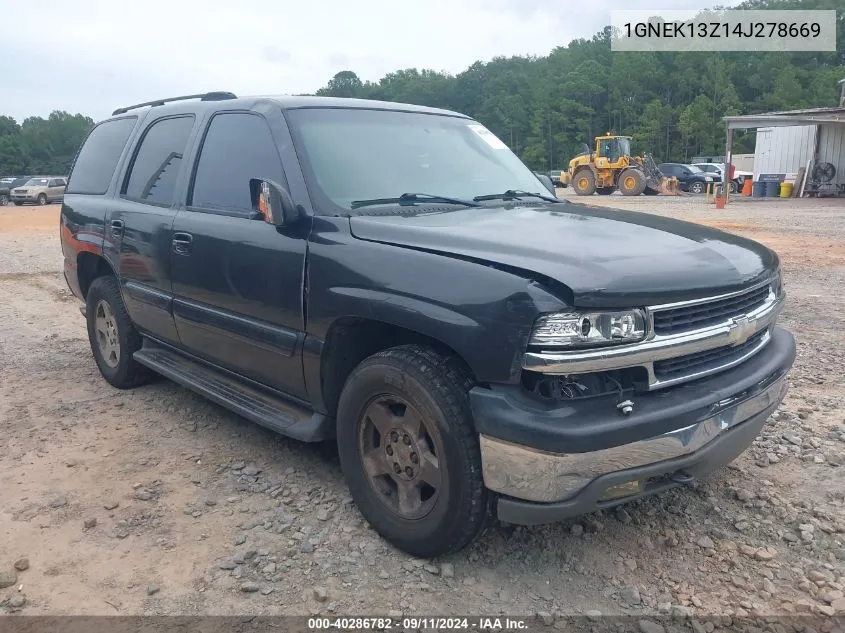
[[344, 84]]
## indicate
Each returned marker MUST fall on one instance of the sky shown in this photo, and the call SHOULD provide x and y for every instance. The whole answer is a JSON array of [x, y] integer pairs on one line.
[[90, 56]]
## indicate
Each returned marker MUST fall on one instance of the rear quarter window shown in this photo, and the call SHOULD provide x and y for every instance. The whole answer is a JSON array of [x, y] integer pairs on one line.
[[158, 157], [97, 160]]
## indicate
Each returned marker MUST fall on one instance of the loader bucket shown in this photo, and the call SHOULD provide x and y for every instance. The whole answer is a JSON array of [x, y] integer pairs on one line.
[[656, 182], [663, 187]]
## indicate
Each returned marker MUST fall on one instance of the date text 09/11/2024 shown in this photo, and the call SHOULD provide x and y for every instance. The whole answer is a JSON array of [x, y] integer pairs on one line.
[[721, 30], [416, 623]]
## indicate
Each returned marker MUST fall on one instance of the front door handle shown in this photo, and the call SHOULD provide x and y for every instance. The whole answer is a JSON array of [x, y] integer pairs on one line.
[[182, 243], [117, 226]]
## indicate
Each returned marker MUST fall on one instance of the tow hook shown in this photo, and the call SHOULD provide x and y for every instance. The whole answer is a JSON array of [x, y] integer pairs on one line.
[[681, 477], [625, 407]]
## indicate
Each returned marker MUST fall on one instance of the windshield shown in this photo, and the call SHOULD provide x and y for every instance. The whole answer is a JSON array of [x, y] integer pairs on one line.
[[36, 182], [357, 154]]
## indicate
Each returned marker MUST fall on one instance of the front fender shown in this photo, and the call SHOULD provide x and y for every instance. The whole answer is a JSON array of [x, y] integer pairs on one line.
[[483, 313]]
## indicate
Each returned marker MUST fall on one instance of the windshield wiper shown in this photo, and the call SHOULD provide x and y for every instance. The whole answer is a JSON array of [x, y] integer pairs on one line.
[[413, 198], [515, 194]]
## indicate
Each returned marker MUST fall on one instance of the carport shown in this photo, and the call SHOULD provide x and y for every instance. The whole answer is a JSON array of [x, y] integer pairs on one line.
[[812, 146]]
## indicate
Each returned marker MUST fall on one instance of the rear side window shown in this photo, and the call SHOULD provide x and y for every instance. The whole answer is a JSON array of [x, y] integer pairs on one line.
[[97, 160], [152, 176], [238, 146]]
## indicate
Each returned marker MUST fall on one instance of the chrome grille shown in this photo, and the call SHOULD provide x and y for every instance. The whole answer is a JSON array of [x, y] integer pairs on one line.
[[707, 360], [701, 315]]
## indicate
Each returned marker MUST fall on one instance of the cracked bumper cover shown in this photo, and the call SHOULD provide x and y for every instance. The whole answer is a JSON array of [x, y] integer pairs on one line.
[[549, 463]]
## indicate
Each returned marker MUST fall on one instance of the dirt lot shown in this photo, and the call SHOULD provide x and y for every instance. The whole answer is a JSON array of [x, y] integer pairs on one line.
[[154, 501]]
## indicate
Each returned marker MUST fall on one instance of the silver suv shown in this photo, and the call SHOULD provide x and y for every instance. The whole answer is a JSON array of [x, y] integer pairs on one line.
[[39, 190]]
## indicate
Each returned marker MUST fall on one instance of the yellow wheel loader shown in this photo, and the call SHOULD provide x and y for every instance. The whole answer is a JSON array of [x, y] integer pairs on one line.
[[612, 167]]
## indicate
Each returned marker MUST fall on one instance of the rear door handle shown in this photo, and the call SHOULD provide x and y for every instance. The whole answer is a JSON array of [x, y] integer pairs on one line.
[[117, 226], [182, 243]]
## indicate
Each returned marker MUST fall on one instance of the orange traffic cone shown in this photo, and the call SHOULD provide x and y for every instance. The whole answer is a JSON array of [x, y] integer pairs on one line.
[[746, 187]]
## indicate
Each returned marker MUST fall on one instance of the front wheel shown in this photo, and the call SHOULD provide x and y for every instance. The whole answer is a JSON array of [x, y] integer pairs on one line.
[[42, 199], [409, 451], [696, 187], [631, 182]]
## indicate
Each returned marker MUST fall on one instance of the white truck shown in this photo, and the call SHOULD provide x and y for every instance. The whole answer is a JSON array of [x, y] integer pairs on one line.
[[717, 168]]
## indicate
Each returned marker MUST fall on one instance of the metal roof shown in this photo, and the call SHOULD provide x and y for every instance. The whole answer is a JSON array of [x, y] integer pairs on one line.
[[811, 116]]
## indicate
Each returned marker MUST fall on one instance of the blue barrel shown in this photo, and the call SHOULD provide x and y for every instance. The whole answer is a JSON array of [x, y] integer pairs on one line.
[[758, 189], [772, 189]]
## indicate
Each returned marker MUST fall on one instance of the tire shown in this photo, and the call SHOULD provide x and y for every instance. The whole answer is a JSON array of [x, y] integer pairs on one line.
[[631, 182], [733, 187], [446, 507], [696, 187], [17, 204], [584, 183], [42, 199], [605, 191], [4, 200], [108, 321]]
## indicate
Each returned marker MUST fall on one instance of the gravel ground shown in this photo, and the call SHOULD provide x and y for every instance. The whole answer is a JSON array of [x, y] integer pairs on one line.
[[154, 501]]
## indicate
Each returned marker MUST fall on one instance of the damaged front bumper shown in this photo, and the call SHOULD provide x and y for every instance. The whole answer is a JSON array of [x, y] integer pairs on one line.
[[548, 464]]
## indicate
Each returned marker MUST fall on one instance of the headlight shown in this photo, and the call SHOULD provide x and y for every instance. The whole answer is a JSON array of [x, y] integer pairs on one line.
[[588, 329]]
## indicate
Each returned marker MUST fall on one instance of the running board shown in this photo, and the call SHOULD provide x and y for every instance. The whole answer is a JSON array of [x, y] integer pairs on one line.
[[260, 407]]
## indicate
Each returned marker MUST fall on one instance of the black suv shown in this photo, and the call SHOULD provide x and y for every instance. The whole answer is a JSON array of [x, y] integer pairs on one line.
[[393, 278], [690, 178]]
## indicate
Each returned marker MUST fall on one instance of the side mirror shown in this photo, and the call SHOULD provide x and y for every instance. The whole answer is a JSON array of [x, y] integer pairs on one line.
[[272, 202], [547, 183]]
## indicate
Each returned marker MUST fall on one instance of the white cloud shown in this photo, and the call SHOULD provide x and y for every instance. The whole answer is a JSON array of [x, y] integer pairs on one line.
[[96, 56]]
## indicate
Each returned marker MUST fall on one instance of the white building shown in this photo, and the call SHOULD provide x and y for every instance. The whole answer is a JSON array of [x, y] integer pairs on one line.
[[812, 139]]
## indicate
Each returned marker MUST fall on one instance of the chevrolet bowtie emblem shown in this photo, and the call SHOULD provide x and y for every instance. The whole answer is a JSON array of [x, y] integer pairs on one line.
[[740, 329]]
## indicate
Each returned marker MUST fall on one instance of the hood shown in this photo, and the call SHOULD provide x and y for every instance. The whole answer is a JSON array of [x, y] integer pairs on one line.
[[605, 257]]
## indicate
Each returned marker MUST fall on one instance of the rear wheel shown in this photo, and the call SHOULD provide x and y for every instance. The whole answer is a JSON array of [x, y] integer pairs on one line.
[[4, 200], [42, 199], [112, 335], [409, 451], [631, 182], [584, 183], [696, 187]]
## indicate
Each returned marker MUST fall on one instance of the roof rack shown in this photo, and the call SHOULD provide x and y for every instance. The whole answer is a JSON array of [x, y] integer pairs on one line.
[[207, 96]]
